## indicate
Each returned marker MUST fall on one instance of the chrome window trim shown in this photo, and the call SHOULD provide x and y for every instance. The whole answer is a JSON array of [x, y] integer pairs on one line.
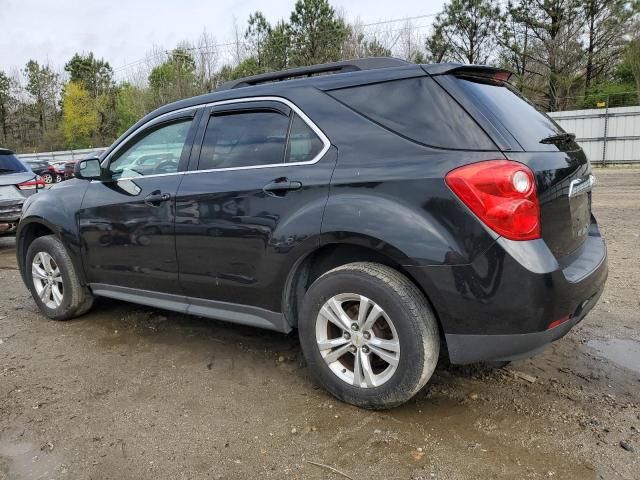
[[323, 138]]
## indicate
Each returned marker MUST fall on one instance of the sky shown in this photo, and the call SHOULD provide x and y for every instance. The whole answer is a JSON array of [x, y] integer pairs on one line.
[[123, 32]]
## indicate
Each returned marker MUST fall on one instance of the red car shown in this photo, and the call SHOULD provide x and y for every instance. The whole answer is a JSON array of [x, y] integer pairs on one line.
[[69, 166]]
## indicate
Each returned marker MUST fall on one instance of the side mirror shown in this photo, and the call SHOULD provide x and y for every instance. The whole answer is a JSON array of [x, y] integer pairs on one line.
[[89, 169]]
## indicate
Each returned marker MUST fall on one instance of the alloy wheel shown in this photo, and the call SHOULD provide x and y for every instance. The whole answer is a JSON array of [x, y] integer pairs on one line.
[[47, 280], [357, 340]]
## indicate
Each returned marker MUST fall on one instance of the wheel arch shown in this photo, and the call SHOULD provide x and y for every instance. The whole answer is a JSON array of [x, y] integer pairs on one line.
[[331, 255], [32, 228]]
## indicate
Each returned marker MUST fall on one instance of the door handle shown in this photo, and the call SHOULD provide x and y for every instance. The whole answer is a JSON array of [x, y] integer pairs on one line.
[[280, 186], [156, 198]]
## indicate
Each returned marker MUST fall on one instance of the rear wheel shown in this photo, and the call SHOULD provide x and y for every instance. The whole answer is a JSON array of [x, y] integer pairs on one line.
[[53, 281], [368, 335]]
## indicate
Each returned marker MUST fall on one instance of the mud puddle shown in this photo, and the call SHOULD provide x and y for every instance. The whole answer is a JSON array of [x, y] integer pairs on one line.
[[623, 351]]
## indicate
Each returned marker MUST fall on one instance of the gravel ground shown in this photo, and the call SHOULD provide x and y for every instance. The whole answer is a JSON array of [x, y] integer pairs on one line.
[[132, 392]]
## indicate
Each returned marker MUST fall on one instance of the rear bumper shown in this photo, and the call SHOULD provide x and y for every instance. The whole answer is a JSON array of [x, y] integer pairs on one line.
[[500, 306], [10, 211], [464, 349]]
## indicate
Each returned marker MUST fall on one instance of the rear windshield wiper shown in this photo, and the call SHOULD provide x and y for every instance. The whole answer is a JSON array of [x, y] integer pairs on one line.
[[559, 138]]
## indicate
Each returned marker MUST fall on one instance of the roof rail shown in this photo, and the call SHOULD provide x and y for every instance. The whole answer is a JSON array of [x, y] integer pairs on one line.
[[369, 63]]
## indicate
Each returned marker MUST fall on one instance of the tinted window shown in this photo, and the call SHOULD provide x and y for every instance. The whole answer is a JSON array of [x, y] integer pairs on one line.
[[303, 144], [157, 152], [518, 116], [243, 139], [10, 164], [418, 109]]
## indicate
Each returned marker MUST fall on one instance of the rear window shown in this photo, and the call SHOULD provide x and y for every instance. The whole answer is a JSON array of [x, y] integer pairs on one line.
[[10, 164], [418, 109], [516, 114]]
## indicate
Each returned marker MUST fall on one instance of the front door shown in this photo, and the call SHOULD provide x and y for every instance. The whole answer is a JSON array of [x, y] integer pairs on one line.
[[127, 221], [254, 201]]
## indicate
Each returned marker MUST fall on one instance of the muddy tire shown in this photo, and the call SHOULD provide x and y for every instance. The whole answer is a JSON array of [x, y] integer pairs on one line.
[[53, 280], [368, 335]]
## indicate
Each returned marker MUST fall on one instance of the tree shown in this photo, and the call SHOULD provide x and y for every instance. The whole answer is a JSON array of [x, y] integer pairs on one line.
[[130, 106], [437, 46], [5, 98], [174, 78], [80, 120], [513, 38], [316, 33], [554, 53], [42, 85], [465, 31], [632, 60], [96, 76], [206, 61], [606, 22], [278, 47], [257, 36]]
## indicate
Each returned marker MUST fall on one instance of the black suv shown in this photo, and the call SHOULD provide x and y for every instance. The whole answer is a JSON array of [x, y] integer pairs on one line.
[[381, 208]]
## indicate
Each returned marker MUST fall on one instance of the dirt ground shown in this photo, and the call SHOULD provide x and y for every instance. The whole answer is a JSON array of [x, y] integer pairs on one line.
[[132, 392]]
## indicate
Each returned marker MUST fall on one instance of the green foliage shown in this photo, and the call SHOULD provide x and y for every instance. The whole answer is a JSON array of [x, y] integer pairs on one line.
[[80, 119], [130, 106], [5, 92], [465, 31], [96, 76], [565, 54], [316, 33], [175, 78], [277, 48], [42, 85], [631, 60], [257, 36]]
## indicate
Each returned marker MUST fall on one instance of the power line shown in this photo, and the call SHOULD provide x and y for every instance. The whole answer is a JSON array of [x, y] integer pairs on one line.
[[237, 43]]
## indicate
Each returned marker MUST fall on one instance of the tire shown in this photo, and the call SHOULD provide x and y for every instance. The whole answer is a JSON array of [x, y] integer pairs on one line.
[[76, 299], [48, 178], [58, 178], [407, 322]]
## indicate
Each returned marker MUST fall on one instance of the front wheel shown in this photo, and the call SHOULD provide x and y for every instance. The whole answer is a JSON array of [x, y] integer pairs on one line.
[[47, 178], [53, 281], [368, 335]]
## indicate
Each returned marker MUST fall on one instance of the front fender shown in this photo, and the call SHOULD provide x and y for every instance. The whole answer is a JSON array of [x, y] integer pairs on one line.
[[54, 210]]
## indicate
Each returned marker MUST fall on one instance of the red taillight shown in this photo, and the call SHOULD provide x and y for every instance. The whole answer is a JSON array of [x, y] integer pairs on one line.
[[558, 322], [36, 182], [502, 193]]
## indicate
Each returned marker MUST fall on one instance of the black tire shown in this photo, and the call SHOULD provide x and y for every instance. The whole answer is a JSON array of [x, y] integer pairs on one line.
[[76, 298], [47, 178], [414, 322]]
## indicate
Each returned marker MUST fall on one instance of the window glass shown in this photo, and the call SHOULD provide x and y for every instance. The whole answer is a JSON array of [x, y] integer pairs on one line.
[[521, 118], [156, 153], [303, 144], [418, 109], [10, 164], [243, 139]]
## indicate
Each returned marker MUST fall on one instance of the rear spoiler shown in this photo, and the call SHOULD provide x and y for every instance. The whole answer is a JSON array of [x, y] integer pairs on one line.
[[483, 71]]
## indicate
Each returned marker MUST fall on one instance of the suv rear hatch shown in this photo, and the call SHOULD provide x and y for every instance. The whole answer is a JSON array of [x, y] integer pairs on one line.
[[562, 171]]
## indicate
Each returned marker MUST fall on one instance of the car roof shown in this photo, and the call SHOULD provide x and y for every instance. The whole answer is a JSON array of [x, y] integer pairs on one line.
[[366, 70]]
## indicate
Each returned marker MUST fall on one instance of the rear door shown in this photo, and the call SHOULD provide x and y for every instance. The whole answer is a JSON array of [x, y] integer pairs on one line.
[[126, 223], [253, 201], [563, 172]]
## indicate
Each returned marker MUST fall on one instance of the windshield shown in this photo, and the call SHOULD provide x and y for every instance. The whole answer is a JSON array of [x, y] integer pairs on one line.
[[518, 116], [10, 164]]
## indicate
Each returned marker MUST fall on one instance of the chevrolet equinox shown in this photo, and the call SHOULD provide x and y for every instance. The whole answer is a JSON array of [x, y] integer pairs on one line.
[[383, 209]]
